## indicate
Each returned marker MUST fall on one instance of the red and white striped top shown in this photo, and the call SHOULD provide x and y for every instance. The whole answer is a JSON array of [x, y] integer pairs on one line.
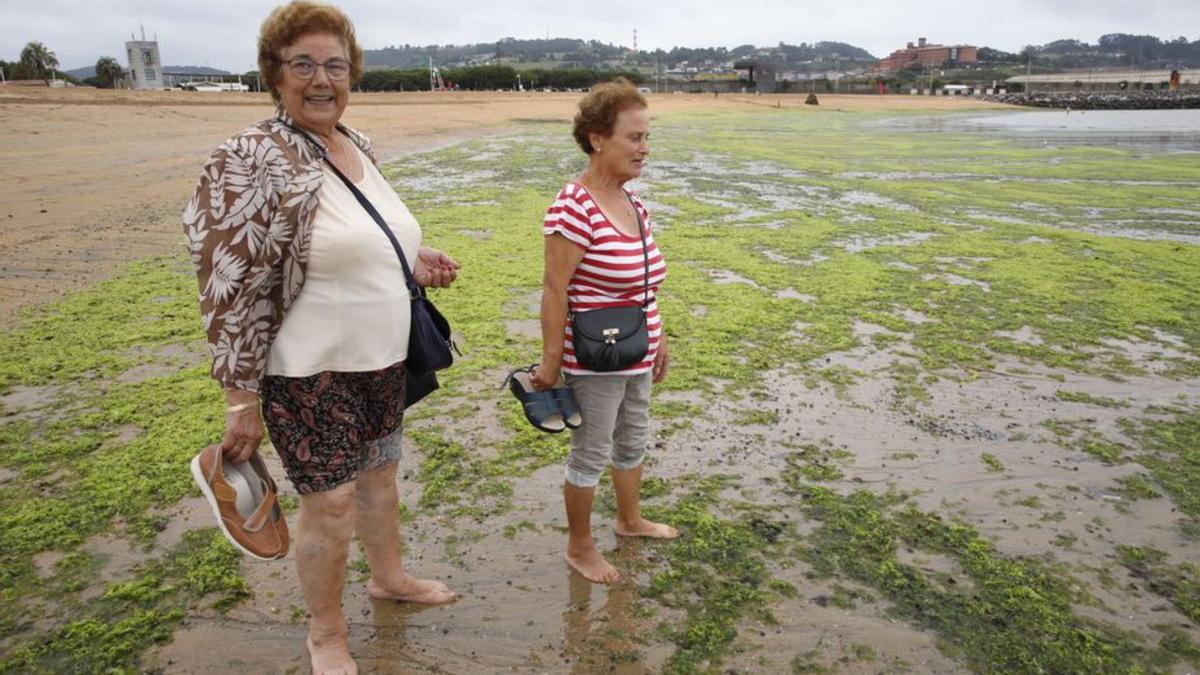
[[613, 270]]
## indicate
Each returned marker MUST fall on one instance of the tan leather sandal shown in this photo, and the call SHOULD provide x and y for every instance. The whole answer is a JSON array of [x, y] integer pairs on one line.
[[244, 501]]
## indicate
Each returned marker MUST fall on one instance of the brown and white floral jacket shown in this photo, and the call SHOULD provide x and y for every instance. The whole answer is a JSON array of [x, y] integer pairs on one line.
[[248, 228]]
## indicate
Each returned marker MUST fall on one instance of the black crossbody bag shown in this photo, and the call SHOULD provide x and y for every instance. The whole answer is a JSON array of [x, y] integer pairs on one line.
[[614, 338], [429, 343]]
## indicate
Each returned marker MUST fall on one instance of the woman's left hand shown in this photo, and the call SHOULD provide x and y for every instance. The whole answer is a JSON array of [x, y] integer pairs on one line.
[[662, 361], [434, 269]]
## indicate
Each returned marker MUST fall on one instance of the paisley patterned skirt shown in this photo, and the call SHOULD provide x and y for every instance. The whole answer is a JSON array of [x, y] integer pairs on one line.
[[329, 426]]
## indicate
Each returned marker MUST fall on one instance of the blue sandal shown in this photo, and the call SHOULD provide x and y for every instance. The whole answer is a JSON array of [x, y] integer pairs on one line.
[[541, 408], [565, 398]]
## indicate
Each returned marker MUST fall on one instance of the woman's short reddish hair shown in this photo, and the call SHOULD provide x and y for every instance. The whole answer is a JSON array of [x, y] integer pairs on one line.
[[287, 23], [599, 109]]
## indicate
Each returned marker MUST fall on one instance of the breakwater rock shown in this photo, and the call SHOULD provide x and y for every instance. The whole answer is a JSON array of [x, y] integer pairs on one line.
[[1134, 100]]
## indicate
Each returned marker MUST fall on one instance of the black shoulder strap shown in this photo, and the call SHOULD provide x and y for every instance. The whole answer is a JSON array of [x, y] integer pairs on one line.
[[414, 290], [645, 249]]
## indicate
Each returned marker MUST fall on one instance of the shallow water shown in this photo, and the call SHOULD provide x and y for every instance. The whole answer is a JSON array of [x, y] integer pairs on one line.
[[1160, 130], [1097, 121]]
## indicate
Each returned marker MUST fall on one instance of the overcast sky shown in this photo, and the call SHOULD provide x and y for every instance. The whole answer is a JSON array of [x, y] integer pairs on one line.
[[222, 33]]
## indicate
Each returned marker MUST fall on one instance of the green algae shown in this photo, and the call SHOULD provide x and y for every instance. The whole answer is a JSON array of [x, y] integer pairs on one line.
[[93, 487], [812, 462], [992, 462], [1079, 435], [1065, 540], [988, 612], [762, 417], [510, 530], [805, 663], [864, 284], [109, 634], [1175, 645], [1030, 502], [847, 598], [465, 482], [1084, 397], [1169, 448], [718, 575], [78, 469], [1171, 451], [1057, 288], [990, 266], [1136, 487], [1180, 584], [95, 645]]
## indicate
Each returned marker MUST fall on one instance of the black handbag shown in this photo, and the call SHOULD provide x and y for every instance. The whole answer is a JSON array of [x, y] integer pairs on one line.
[[429, 343], [614, 338]]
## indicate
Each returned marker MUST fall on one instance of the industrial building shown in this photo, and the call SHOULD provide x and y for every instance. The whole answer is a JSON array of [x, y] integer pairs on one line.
[[1101, 80]]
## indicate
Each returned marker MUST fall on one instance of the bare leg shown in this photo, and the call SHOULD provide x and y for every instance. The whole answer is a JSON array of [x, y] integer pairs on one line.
[[627, 483], [582, 555], [323, 538], [378, 526]]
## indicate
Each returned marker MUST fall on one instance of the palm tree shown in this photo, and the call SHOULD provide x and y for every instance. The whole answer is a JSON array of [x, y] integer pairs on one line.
[[109, 71], [38, 60]]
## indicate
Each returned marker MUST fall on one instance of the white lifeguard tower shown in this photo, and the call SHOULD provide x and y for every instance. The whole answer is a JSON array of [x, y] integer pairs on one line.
[[145, 64]]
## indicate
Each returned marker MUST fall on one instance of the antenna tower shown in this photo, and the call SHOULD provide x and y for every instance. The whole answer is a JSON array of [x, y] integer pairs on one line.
[[435, 78]]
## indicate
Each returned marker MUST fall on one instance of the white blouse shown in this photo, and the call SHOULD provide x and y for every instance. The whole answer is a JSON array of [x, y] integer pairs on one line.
[[352, 314]]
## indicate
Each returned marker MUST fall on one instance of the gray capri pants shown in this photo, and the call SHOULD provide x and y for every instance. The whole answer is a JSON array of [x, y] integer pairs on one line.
[[616, 425]]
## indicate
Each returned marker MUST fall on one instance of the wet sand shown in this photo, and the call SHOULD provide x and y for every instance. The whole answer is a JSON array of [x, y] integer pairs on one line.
[[95, 179], [522, 611]]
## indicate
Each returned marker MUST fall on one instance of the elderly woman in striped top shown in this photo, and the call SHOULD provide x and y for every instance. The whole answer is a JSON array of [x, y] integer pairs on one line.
[[595, 257]]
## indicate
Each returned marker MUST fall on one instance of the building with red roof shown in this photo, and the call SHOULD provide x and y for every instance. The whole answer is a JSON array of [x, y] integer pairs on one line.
[[925, 55]]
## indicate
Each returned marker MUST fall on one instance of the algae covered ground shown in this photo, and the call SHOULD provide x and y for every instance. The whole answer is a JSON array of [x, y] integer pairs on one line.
[[935, 407]]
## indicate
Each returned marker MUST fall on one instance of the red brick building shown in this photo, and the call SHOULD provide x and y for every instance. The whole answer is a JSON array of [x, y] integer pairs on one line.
[[924, 54]]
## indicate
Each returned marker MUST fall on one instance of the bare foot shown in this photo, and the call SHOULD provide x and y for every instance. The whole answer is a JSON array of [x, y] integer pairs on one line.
[[411, 589], [648, 529], [331, 655], [592, 566]]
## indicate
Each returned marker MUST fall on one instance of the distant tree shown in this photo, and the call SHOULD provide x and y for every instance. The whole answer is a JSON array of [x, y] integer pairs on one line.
[[1117, 50], [1065, 46], [410, 79], [251, 79], [847, 51], [989, 55], [38, 61], [742, 51], [482, 78], [109, 72]]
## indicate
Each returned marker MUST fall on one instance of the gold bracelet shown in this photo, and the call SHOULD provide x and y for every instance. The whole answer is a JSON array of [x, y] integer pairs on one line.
[[240, 407]]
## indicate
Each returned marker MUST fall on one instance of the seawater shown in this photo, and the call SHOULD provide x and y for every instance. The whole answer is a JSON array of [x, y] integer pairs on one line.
[[1157, 130]]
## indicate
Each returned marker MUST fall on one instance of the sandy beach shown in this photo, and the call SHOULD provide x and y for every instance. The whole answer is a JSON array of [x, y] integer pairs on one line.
[[934, 404], [97, 178]]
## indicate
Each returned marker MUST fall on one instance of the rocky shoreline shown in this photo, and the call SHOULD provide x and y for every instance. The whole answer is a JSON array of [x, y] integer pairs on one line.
[[1135, 100]]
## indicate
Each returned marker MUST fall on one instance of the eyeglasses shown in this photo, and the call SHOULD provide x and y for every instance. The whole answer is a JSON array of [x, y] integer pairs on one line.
[[305, 69]]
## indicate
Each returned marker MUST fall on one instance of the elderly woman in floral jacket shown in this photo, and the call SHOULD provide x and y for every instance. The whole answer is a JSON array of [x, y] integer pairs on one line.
[[307, 313]]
